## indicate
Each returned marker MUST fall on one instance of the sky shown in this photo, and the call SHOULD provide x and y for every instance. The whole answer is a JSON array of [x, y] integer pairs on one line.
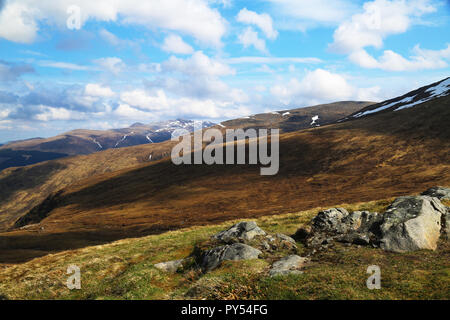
[[103, 64]]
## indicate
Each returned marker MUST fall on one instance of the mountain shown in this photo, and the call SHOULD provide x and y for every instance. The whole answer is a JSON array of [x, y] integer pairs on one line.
[[80, 201], [28, 186], [79, 142], [300, 118], [408, 100]]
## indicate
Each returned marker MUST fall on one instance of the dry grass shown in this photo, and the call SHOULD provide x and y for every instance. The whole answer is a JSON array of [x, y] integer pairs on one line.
[[125, 270]]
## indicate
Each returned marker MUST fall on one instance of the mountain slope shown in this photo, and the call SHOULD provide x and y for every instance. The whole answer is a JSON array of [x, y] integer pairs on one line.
[[408, 100], [385, 155], [27, 187], [82, 142], [300, 118]]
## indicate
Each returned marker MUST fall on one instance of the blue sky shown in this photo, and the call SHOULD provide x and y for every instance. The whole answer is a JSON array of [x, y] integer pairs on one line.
[[104, 64]]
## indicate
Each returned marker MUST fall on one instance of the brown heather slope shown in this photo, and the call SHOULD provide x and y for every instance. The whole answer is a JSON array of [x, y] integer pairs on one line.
[[24, 188], [377, 157]]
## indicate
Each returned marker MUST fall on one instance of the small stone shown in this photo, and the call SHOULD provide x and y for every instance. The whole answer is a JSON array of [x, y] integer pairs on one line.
[[288, 265], [170, 266]]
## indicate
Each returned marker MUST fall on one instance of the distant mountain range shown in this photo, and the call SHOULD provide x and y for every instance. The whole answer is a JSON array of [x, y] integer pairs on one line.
[[82, 141], [78, 142]]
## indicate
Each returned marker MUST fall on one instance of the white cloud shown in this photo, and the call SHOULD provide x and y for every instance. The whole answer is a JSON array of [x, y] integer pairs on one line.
[[250, 38], [320, 86], [50, 113], [263, 21], [175, 44], [96, 90], [20, 24], [197, 64], [271, 60], [303, 14], [112, 64], [141, 99], [124, 110], [17, 23], [63, 65], [379, 19], [392, 61]]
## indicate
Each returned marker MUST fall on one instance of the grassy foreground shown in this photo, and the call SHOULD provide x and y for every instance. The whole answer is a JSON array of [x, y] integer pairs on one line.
[[125, 270]]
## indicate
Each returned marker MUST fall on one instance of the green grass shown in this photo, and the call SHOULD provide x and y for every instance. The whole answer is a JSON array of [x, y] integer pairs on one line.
[[125, 270]]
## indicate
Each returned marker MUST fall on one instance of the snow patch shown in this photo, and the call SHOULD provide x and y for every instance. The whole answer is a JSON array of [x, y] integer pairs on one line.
[[314, 120]]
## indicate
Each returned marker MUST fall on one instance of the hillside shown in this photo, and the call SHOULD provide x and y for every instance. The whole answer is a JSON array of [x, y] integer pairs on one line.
[[371, 158], [29, 186], [82, 142], [300, 118], [126, 270]]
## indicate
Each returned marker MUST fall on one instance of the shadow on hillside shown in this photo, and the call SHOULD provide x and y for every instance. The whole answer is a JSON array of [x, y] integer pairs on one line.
[[19, 248], [27, 178]]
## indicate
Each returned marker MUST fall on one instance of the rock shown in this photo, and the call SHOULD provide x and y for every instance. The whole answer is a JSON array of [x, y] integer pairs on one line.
[[242, 231], [438, 192], [356, 238], [288, 265], [170, 266], [329, 220], [238, 251], [303, 233], [286, 238], [412, 223]]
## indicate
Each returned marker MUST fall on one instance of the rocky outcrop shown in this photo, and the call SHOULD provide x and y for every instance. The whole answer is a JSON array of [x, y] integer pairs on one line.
[[412, 223], [337, 224], [438, 192], [242, 231], [211, 259], [288, 265]]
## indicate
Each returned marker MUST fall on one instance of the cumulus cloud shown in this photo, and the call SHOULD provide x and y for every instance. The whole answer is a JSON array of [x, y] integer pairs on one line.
[[263, 21], [380, 19], [249, 37], [175, 44], [96, 90], [19, 20], [320, 86]]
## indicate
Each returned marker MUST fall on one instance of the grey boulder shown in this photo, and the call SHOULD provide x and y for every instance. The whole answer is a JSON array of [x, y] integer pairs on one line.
[[288, 265], [242, 231], [238, 251], [438, 192], [412, 223]]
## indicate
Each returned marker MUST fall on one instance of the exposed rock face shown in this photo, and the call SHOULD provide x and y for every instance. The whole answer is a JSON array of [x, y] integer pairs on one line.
[[288, 265], [237, 251], [170, 266], [412, 223], [336, 224], [438, 192], [242, 231]]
